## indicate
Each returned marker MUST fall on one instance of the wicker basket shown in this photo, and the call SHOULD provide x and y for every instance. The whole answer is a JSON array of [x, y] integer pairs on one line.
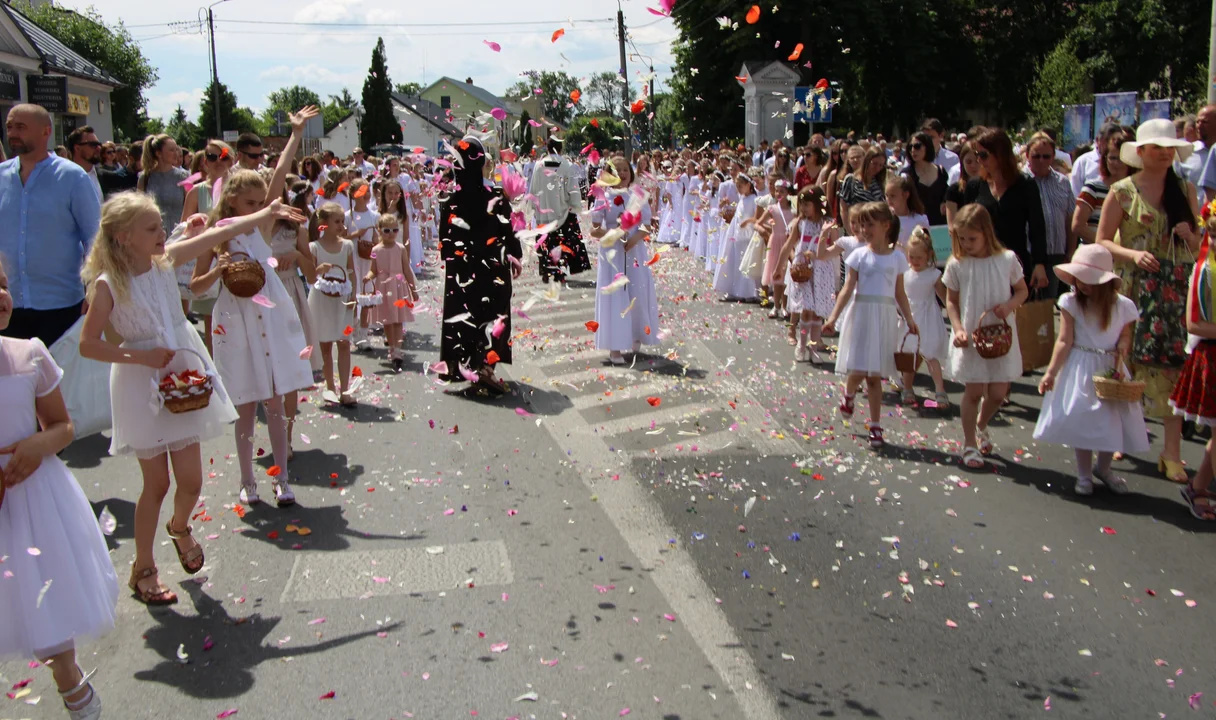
[[365, 248], [1112, 390], [244, 278], [908, 362], [801, 270], [328, 276], [193, 397], [368, 296], [992, 341]]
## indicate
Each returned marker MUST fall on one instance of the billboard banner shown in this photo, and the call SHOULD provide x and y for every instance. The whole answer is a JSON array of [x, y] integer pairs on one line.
[[1078, 126]]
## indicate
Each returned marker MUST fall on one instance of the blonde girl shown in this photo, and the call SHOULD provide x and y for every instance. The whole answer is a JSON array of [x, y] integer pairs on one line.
[[983, 280], [923, 284], [214, 163], [906, 204], [43, 507], [131, 284], [335, 273], [396, 284], [774, 226], [361, 229], [811, 300], [868, 340]]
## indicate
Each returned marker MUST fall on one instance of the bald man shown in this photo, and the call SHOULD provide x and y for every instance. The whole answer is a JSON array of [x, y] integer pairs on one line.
[[50, 212], [1198, 167]]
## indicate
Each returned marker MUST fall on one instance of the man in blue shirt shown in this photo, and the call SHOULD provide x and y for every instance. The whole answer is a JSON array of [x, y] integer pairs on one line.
[[49, 213]]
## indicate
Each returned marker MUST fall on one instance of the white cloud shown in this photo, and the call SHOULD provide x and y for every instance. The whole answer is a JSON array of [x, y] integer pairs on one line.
[[163, 105], [311, 75]]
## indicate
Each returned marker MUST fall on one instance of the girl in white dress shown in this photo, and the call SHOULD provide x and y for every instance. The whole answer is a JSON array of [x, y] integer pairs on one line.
[[1096, 326], [130, 280], [869, 337], [906, 205], [727, 199], [923, 284], [808, 302], [981, 277], [728, 281], [333, 316], [59, 584], [259, 342], [692, 181], [626, 306], [361, 228], [672, 223]]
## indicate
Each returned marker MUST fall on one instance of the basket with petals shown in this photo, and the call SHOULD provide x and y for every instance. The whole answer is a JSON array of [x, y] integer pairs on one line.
[[368, 295], [802, 269], [1117, 385], [333, 283], [244, 278], [366, 248], [992, 341], [184, 391]]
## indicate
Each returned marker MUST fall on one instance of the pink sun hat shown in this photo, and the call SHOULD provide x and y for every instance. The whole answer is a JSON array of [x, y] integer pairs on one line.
[[1092, 265]]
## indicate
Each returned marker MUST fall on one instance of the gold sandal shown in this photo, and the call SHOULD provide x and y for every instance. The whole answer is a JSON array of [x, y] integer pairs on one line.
[[160, 595], [1172, 469], [188, 558]]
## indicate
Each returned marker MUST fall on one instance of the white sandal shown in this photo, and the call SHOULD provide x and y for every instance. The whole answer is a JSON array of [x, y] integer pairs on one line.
[[986, 445], [972, 458], [249, 493], [283, 496], [91, 710]]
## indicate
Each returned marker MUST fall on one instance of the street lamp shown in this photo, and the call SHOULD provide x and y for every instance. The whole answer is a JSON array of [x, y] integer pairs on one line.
[[649, 123], [215, 75]]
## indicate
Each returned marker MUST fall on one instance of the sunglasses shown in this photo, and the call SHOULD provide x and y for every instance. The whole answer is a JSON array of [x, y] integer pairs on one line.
[[390, 231], [90, 144], [255, 156], [214, 157], [1040, 156], [916, 146], [982, 154]]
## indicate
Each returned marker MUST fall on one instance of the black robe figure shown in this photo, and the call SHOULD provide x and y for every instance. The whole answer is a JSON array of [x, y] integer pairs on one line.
[[478, 267]]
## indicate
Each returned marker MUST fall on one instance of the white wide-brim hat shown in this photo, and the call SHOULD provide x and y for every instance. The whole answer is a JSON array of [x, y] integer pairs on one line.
[[1091, 264], [1159, 132]]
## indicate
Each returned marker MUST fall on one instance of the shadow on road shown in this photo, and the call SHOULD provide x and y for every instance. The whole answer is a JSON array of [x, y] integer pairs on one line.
[[239, 646], [86, 452], [326, 528]]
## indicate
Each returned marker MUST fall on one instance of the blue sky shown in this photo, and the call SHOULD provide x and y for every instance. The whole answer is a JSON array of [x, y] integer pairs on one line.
[[263, 52]]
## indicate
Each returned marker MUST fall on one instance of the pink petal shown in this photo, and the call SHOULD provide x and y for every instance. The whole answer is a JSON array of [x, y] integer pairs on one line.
[[440, 367], [226, 714], [660, 13], [262, 300], [522, 413], [272, 262], [306, 352], [498, 647], [498, 114], [493, 45]]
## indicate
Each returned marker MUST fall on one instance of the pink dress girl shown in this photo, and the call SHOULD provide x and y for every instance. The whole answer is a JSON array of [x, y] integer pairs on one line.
[[392, 285], [782, 215]]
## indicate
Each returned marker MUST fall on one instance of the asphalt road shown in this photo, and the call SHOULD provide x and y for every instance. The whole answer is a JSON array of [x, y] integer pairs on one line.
[[577, 550]]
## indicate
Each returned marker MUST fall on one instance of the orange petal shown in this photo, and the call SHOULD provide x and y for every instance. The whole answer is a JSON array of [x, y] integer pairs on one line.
[[356, 371], [753, 15], [399, 303], [492, 357], [558, 33], [797, 52], [653, 260], [654, 401], [594, 123], [274, 471], [575, 95], [361, 191], [592, 326], [348, 331]]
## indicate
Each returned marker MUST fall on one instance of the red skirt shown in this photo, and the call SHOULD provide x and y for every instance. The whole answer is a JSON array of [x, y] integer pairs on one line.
[[1194, 395]]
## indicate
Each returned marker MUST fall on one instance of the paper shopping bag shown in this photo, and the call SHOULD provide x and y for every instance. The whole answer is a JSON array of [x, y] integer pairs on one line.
[[1036, 333]]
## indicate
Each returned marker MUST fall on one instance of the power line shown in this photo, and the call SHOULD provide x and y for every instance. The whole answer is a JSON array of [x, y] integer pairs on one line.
[[417, 25], [371, 32]]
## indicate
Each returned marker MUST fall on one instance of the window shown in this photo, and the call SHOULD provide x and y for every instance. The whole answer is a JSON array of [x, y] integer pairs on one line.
[[445, 102]]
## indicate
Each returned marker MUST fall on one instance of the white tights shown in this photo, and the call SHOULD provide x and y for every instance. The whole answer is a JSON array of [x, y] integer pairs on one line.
[[276, 423]]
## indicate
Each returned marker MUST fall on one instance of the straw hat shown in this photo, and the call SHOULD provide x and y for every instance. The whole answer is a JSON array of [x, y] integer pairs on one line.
[[1091, 264], [1159, 132]]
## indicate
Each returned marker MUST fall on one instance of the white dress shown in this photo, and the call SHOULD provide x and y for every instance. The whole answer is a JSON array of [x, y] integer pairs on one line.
[[727, 279], [816, 295], [58, 583], [624, 314], [871, 328], [331, 315], [356, 222], [921, 289], [692, 195], [152, 317], [282, 243], [258, 352], [982, 284], [1072, 414], [673, 217], [726, 197], [907, 224]]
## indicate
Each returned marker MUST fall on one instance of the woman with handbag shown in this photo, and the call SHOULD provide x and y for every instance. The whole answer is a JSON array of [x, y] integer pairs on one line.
[[1148, 225]]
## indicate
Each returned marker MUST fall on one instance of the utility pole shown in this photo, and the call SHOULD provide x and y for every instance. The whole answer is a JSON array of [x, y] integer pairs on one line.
[[620, 27], [215, 76], [653, 109], [1212, 59]]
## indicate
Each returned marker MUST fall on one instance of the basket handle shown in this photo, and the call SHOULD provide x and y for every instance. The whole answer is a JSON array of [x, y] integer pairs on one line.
[[903, 342], [331, 269], [166, 371], [232, 255], [983, 315], [364, 286]]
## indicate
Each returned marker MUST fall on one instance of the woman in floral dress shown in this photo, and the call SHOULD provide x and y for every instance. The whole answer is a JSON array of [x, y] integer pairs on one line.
[[1149, 225]]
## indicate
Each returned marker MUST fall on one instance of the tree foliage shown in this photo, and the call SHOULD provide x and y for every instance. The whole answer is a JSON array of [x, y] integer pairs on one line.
[[609, 135], [412, 89], [232, 116], [1061, 81], [964, 61], [555, 89], [287, 100], [184, 132], [379, 123], [605, 94], [109, 47]]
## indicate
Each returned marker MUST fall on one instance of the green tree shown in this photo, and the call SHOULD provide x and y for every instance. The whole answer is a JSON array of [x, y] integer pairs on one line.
[[412, 89], [609, 135], [1062, 80], [668, 121], [605, 94], [555, 88], [344, 100], [287, 100], [379, 123], [186, 133], [111, 48], [332, 114], [153, 126], [232, 117]]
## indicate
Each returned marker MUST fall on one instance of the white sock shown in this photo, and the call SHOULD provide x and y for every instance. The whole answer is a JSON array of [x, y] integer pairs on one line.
[[803, 332]]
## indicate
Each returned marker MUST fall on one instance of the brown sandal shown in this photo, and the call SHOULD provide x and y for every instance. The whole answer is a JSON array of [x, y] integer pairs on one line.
[[160, 595], [190, 557]]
